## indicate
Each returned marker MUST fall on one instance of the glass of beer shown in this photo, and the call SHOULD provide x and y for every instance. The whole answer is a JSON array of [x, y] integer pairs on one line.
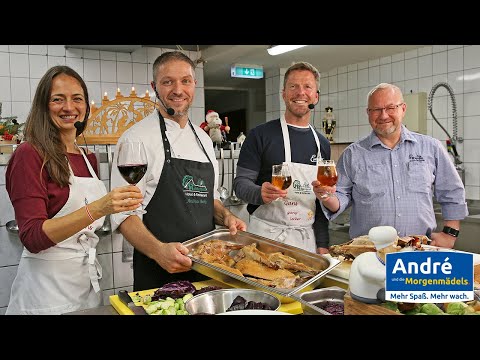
[[327, 174], [281, 177]]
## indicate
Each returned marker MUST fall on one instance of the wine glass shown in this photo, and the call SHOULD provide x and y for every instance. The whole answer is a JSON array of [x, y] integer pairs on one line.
[[327, 174], [281, 177], [132, 165]]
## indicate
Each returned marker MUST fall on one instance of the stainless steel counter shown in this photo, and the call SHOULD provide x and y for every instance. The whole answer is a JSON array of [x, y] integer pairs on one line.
[[101, 310]]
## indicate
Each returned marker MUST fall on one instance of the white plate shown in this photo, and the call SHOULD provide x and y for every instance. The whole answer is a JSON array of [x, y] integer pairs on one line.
[[254, 312]]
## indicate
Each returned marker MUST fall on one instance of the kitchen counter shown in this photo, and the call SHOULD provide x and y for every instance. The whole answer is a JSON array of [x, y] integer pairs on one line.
[[101, 310]]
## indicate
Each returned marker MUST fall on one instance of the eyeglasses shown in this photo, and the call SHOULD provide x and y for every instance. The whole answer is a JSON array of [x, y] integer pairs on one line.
[[390, 110]]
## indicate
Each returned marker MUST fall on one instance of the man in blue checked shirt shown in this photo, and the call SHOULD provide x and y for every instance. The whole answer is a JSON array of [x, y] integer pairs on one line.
[[387, 177]]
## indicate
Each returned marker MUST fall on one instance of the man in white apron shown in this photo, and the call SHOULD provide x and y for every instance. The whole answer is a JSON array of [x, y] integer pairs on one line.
[[293, 219], [71, 265]]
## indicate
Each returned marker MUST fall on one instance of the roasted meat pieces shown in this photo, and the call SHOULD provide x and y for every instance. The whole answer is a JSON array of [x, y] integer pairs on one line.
[[351, 249], [271, 269]]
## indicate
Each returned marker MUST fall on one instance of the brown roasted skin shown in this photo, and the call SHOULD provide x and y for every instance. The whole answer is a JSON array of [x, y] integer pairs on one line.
[[216, 251], [289, 263], [271, 269], [227, 268], [254, 268], [282, 283], [251, 252]]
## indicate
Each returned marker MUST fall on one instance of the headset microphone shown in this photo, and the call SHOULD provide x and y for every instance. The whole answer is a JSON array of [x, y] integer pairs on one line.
[[169, 110], [80, 126], [312, 106]]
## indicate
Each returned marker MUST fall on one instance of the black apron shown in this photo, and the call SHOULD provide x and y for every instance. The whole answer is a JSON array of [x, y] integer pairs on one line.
[[180, 209]]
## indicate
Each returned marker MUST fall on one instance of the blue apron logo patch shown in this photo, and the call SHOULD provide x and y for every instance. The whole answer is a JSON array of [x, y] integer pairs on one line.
[[429, 276]]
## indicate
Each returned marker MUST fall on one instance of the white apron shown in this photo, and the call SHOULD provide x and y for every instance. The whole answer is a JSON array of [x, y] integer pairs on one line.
[[64, 277], [290, 220]]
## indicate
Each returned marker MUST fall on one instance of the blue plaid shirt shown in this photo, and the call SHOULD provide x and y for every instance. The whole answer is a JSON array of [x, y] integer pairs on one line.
[[395, 187]]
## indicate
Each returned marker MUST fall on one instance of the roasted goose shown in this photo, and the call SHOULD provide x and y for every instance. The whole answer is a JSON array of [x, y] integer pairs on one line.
[[282, 283], [274, 269], [216, 251], [413, 240], [228, 268], [254, 268], [289, 263], [350, 250]]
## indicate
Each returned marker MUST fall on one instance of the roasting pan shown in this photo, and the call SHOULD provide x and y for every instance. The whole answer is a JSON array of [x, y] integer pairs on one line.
[[319, 262]]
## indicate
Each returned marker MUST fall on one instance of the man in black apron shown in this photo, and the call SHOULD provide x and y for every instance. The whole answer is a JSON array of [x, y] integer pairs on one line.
[[182, 205]]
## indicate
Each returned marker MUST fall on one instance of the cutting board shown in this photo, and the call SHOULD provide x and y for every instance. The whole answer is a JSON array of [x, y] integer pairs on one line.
[[292, 308], [354, 307]]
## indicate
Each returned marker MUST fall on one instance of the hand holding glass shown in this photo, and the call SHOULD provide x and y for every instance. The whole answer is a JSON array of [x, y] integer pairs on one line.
[[327, 174], [132, 164], [281, 177]]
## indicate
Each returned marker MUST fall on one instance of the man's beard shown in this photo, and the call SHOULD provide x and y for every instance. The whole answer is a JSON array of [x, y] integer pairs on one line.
[[184, 112], [386, 132]]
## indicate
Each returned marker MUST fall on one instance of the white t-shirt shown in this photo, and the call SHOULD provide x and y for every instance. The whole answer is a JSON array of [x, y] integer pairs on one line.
[[183, 145]]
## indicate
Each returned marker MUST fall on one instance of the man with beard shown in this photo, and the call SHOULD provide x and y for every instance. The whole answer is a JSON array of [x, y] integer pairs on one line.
[[296, 218], [179, 186], [390, 177]]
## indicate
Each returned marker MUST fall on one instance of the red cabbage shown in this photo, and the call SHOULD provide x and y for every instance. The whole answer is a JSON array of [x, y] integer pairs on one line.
[[175, 290]]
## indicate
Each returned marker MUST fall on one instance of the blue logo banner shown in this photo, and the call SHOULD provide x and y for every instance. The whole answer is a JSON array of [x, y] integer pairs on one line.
[[429, 276]]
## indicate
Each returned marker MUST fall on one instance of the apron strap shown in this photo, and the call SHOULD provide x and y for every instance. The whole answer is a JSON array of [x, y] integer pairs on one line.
[[286, 140], [166, 143], [94, 269], [89, 166]]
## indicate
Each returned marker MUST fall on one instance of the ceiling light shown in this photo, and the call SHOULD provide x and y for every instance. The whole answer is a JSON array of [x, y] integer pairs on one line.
[[280, 49]]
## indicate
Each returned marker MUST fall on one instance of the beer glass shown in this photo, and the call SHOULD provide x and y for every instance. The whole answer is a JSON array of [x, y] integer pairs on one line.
[[281, 177], [327, 174]]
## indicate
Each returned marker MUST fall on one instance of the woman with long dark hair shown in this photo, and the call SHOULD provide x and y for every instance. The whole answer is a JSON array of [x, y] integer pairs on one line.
[[59, 202]]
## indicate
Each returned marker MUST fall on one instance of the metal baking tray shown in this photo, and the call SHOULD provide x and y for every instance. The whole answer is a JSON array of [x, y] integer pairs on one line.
[[314, 299], [316, 261]]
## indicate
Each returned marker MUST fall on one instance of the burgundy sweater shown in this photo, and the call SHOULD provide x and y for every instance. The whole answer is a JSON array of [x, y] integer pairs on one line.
[[37, 198]]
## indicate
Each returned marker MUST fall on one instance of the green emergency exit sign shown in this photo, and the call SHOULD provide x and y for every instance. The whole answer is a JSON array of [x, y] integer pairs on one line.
[[247, 71]]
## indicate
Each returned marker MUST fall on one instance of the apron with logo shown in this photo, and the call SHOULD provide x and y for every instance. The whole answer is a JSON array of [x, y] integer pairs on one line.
[[181, 208], [289, 220], [63, 278]]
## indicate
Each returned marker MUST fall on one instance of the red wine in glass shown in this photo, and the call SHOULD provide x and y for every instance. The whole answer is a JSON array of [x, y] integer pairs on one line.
[[132, 165], [132, 173]]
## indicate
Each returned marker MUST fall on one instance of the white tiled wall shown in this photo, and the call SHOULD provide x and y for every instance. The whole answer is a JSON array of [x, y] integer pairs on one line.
[[21, 67], [345, 89]]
